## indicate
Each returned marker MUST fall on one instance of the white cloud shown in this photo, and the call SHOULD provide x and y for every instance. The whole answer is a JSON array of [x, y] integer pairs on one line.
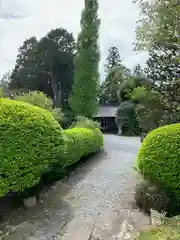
[[22, 19]]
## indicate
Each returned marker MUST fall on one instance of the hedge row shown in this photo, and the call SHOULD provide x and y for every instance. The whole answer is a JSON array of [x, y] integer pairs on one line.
[[81, 142], [32, 143], [31, 140], [159, 158]]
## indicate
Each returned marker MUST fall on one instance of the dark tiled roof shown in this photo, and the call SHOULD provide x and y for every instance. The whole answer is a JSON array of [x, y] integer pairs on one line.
[[107, 111]]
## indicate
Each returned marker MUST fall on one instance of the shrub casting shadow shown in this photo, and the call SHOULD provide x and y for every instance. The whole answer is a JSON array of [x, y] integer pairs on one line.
[[78, 171], [148, 196]]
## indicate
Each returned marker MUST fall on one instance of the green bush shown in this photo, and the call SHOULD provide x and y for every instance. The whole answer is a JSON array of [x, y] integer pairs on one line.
[[84, 122], [159, 158], [81, 142], [40, 99], [126, 118], [36, 98], [31, 141]]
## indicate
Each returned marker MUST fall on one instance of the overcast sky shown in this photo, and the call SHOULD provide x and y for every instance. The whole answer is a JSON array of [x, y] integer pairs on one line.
[[21, 19]]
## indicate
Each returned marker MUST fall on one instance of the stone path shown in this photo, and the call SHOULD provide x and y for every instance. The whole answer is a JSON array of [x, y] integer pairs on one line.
[[95, 202]]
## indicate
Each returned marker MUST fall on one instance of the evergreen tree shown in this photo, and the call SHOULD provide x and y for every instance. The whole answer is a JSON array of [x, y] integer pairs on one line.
[[113, 59], [110, 88], [83, 100], [46, 65], [138, 71]]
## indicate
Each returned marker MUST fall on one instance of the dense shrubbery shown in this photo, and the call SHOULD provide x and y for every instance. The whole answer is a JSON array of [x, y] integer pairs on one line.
[[159, 158], [84, 122], [126, 118], [31, 141], [32, 144], [40, 99], [36, 98], [82, 142]]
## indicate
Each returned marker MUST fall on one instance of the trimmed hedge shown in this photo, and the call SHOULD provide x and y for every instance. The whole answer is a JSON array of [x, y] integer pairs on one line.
[[81, 142], [31, 141], [159, 158]]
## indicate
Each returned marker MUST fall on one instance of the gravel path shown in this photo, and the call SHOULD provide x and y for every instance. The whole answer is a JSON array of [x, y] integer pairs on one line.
[[96, 198]]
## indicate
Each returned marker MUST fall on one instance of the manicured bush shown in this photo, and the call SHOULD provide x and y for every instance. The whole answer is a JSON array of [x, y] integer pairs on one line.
[[81, 142], [159, 158], [31, 141], [84, 122]]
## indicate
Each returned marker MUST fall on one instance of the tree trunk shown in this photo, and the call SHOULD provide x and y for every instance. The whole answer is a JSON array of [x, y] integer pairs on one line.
[[56, 91]]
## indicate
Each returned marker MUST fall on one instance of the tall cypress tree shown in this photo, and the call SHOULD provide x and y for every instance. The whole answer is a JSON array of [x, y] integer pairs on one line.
[[83, 100]]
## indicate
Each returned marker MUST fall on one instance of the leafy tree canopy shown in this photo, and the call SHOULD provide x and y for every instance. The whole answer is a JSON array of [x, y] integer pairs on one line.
[[46, 65]]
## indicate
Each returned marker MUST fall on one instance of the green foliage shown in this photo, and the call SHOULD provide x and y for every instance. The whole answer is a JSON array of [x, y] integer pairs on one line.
[[40, 99], [22, 74], [109, 91], [46, 65], [130, 84], [58, 114], [67, 119], [117, 74], [1, 92], [31, 142], [4, 83], [167, 230], [149, 108], [164, 232], [158, 33], [138, 71], [36, 98], [113, 58], [83, 100], [83, 122], [158, 24], [82, 142], [159, 158], [126, 118]]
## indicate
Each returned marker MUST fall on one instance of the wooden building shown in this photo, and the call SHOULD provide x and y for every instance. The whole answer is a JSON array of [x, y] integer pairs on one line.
[[106, 116]]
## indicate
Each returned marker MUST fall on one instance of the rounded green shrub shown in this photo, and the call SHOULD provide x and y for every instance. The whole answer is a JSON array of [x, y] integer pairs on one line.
[[31, 141], [82, 142], [159, 157]]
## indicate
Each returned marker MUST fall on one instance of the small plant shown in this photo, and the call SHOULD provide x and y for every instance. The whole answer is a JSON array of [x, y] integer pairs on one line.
[[84, 122]]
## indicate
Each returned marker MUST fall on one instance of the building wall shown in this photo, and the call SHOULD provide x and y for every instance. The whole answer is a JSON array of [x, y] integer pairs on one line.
[[108, 124]]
